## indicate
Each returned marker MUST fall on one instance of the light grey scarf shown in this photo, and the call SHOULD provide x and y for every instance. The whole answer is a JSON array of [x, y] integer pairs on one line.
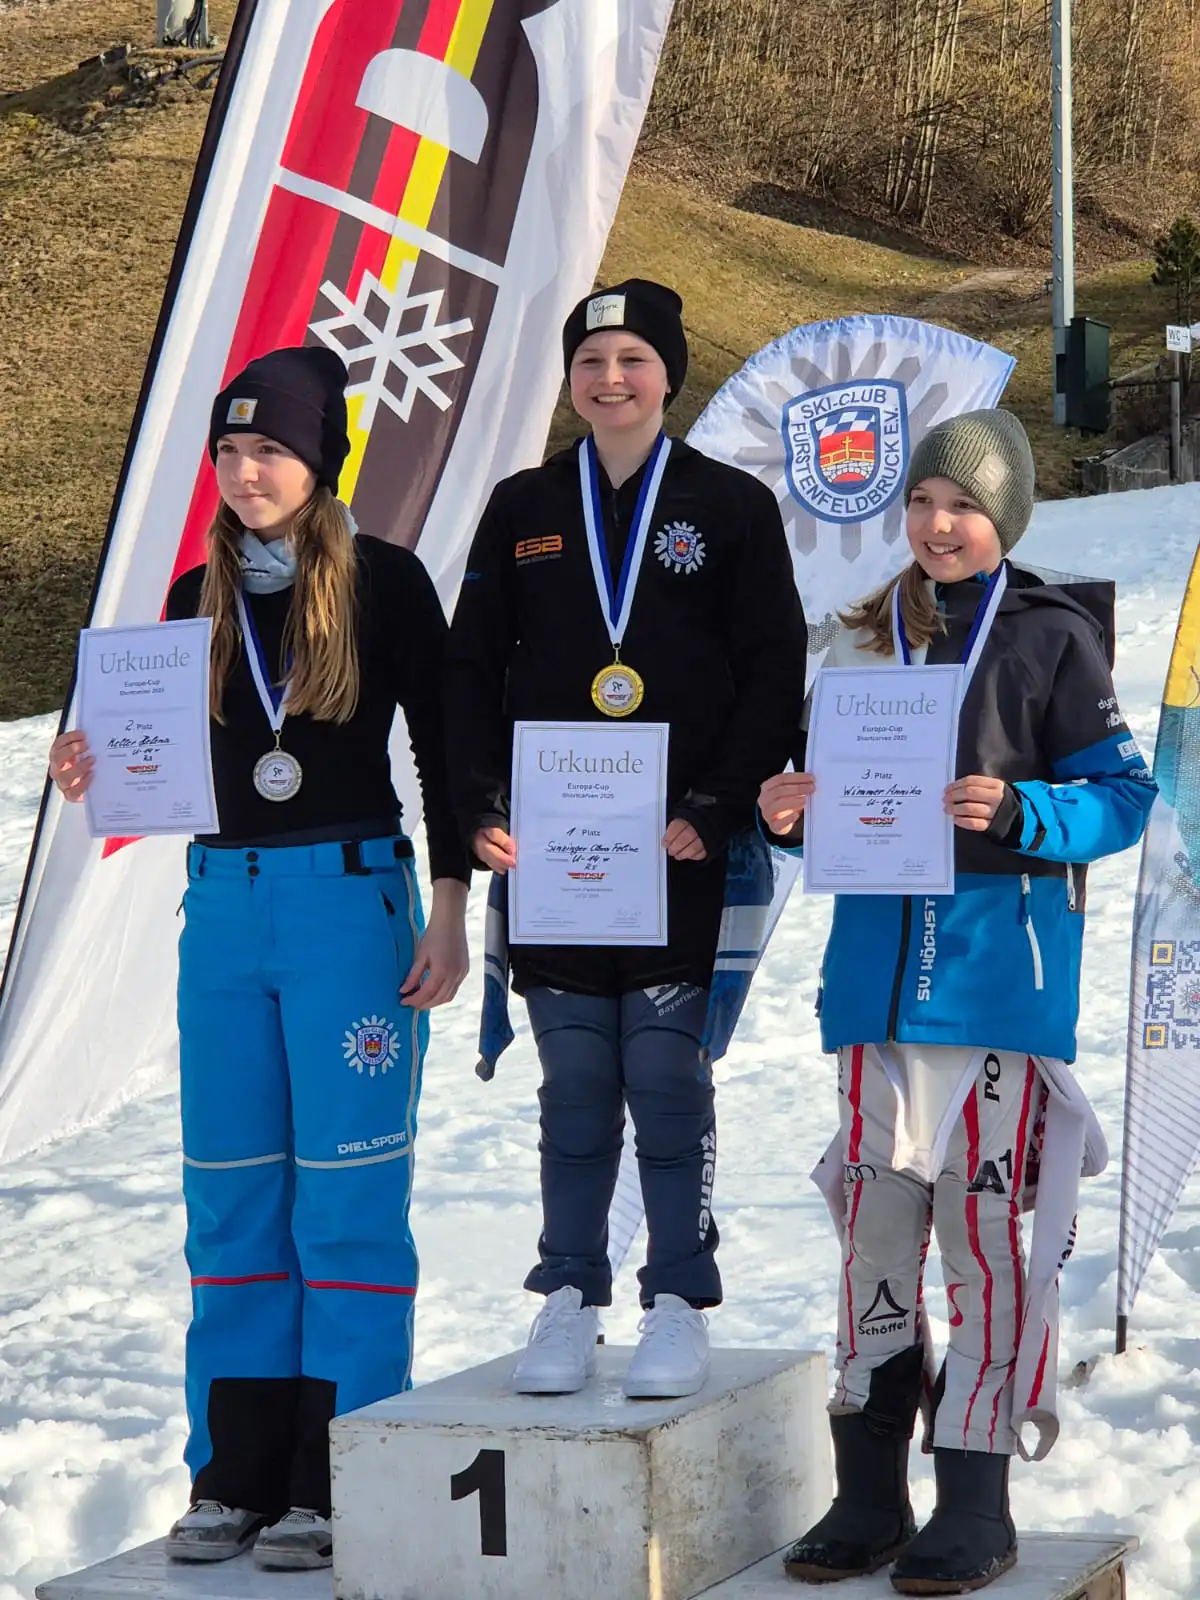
[[269, 566]]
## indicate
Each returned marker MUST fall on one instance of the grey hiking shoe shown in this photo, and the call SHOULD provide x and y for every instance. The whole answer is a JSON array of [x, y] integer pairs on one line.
[[301, 1539], [209, 1531]]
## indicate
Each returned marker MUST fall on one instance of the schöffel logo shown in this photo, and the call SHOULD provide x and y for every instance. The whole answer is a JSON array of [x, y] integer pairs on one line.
[[847, 449], [550, 545]]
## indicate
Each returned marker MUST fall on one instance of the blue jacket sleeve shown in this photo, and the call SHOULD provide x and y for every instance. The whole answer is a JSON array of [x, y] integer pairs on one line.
[[1099, 798]]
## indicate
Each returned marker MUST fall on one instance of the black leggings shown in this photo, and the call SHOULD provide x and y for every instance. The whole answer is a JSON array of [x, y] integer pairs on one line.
[[598, 1055]]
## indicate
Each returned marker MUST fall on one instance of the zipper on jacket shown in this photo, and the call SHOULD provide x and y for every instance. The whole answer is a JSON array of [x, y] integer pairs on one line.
[[1072, 897], [1035, 949], [905, 932]]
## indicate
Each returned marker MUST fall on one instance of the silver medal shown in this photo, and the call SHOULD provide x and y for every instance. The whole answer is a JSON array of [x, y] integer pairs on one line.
[[278, 776]]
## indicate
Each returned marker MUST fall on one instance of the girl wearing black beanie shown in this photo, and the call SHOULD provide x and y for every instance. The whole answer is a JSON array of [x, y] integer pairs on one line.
[[629, 576], [306, 975]]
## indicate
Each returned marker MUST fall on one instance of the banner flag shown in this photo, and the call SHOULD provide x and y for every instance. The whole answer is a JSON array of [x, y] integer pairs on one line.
[[827, 417], [426, 187], [1162, 1083]]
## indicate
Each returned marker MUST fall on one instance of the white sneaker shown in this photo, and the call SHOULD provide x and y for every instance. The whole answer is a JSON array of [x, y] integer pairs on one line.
[[210, 1531], [298, 1541], [561, 1354], [671, 1359]]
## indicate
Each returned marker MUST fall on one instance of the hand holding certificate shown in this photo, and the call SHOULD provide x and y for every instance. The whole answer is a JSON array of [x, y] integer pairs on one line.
[[588, 812], [143, 704], [882, 745]]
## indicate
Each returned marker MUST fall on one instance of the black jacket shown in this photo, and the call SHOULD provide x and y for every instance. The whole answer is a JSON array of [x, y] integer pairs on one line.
[[719, 640], [347, 788]]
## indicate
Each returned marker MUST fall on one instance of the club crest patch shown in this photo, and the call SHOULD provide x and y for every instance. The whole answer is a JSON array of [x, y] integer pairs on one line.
[[371, 1046], [679, 546], [847, 448], [242, 412]]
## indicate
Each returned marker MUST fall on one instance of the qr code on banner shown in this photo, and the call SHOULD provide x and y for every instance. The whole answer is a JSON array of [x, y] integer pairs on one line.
[[1172, 1013]]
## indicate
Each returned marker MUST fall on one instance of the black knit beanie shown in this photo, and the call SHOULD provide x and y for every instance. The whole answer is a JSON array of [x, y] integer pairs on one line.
[[296, 396], [651, 310], [986, 453]]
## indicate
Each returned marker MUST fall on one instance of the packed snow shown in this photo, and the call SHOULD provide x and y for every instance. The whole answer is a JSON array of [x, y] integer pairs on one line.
[[94, 1294]]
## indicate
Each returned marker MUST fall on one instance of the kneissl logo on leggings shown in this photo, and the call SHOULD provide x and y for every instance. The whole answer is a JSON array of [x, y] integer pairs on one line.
[[371, 1045]]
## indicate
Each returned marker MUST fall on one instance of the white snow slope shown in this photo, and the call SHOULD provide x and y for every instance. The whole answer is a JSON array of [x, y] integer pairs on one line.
[[93, 1291]]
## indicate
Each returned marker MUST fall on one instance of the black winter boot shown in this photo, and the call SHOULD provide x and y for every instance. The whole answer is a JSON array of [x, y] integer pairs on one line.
[[970, 1539], [870, 1521]]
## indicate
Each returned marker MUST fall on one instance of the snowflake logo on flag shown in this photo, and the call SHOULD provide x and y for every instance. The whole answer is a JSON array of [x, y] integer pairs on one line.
[[395, 342], [680, 546], [371, 1045]]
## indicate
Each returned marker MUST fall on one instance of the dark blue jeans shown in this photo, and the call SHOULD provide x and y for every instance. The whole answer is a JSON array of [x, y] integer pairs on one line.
[[600, 1054]]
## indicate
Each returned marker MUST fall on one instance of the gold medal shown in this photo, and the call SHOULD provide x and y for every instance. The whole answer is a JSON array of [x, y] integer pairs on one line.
[[618, 690]]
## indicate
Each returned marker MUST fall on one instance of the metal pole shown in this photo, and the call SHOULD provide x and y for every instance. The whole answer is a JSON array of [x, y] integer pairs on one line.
[[1176, 439], [1122, 1334], [1064, 202]]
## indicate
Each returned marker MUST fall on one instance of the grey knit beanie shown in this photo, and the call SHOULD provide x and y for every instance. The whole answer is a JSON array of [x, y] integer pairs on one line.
[[986, 453]]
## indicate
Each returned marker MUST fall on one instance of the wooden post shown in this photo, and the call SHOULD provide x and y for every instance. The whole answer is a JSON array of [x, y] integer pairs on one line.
[[1176, 439]]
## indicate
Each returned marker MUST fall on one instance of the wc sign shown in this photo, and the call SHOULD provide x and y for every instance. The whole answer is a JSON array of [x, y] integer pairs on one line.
[[1179, 340]]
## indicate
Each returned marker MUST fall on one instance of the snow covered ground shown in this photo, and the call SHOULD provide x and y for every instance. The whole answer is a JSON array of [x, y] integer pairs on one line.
[[93, 1292]]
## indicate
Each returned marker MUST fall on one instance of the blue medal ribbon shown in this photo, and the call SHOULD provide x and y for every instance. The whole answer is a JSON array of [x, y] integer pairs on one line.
[[617, 602], [985, 615]]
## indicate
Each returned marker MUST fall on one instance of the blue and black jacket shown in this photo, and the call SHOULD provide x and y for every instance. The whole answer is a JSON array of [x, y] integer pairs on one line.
[[996, 965]]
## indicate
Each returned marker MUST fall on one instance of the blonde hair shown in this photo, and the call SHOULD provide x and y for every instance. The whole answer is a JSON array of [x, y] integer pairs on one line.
[[319, 636], [922, 619]]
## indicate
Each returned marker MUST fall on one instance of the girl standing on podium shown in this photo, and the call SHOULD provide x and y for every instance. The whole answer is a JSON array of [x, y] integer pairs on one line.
[[953, 1018], [628, 576], [306, 975]]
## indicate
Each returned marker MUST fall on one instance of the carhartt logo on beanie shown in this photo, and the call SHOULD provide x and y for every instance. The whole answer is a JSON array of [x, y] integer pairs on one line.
[[986, 453], [296, 396], [651, 310]]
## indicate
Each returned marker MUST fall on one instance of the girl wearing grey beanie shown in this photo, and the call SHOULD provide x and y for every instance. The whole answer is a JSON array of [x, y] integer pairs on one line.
[[953, 1018]]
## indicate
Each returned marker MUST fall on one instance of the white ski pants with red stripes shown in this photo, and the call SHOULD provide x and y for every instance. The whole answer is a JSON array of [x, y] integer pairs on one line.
[[968, 1159]]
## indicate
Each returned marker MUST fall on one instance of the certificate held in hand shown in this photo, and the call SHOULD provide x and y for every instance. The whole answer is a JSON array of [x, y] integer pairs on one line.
[[588, 813], [882, 745], [143, 703]]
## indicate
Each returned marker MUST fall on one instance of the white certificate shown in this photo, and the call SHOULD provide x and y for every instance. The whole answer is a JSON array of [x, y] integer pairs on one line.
[[882, 745], [589, 805], [143, 703]]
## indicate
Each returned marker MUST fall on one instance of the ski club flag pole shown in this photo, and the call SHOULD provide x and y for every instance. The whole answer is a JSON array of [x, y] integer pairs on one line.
[[1162, 1080], [827, 417], [425, 187]]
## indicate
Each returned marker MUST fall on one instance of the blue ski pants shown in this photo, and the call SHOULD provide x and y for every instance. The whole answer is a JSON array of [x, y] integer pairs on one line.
[[300, 1073], [600, 1054]]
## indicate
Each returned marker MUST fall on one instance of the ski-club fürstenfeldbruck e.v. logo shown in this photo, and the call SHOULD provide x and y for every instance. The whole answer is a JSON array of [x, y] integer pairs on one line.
[[371, 1046], [678, 545], [847, 448]]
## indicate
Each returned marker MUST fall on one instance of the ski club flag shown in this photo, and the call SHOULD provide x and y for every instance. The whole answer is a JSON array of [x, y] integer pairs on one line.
[[425, 187], [1162, 1082], [827, 416]]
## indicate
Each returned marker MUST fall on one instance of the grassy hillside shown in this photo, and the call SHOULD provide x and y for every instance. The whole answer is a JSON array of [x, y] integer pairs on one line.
[[94, 170]]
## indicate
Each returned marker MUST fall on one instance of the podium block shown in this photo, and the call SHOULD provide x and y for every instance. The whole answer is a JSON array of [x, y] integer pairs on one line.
[[463, 1490], [1051, 1566]]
